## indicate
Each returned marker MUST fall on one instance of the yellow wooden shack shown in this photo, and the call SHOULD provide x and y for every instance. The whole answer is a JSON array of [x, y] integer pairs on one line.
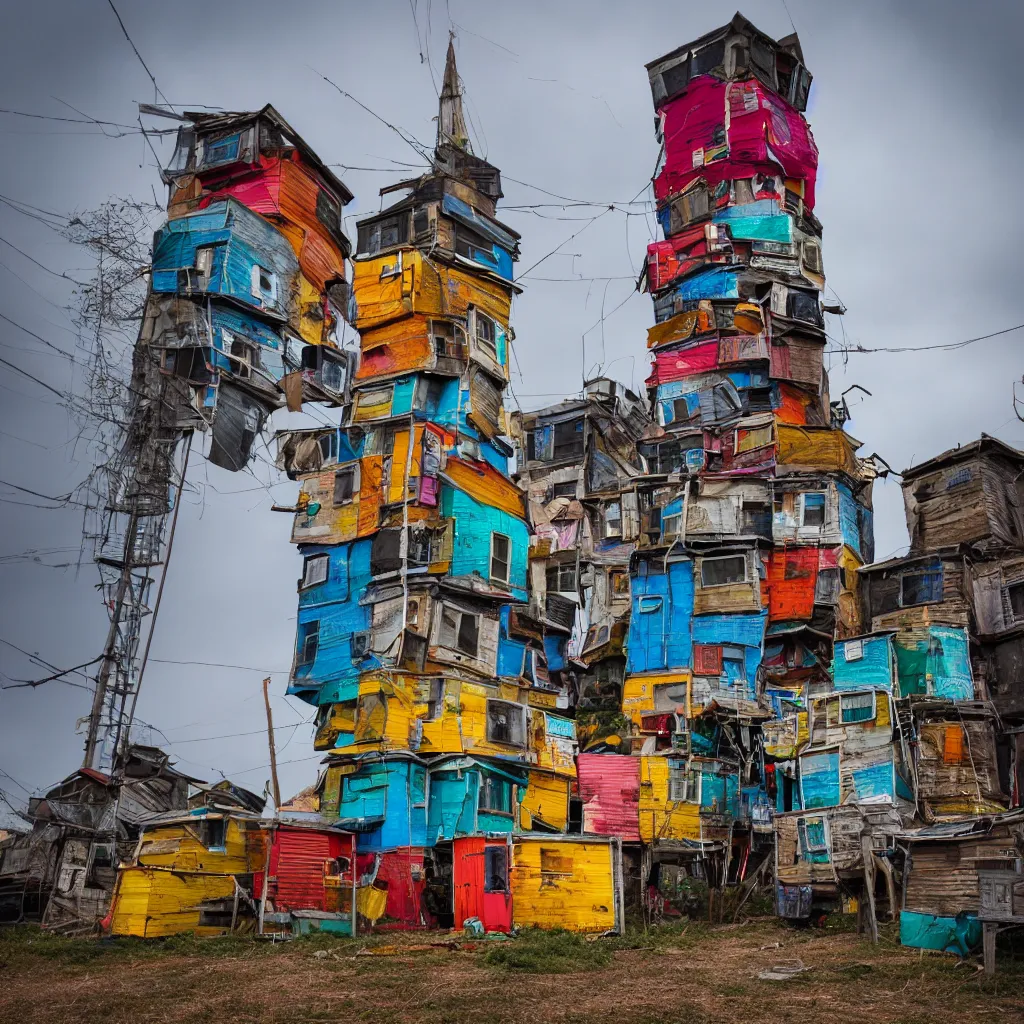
[[571, 882]]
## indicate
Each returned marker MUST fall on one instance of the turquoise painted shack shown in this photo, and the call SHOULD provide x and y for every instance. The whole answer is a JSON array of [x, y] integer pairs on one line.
[[865, 662], [935, 661], [472, 797], [382, 798], [488, 543]]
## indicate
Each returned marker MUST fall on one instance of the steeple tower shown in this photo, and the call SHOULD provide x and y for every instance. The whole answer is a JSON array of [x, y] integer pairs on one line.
[[451, 122]]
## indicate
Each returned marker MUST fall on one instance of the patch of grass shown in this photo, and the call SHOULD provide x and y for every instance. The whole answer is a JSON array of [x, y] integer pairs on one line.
[[550, 952], [731, 990]]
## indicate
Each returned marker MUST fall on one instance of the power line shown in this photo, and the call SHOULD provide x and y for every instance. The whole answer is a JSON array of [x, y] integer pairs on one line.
[[33, 683], [948, 347], [25, 373], [156, 87], [220, 664]]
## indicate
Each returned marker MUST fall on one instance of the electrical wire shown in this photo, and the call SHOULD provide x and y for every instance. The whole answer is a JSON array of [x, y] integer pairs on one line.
[[145, 66], [948, 347]]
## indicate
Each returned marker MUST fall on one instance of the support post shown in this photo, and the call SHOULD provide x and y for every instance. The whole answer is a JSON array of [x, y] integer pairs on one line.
[[270, 740]]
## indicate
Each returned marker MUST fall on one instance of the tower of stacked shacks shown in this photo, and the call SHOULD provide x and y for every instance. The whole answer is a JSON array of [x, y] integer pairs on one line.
[[946, 643], [246, 290], [438, 686], [754, 512]]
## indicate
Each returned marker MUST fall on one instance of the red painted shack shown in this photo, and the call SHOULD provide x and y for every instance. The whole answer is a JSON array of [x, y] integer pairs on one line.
[[310, 876], [609, 787]]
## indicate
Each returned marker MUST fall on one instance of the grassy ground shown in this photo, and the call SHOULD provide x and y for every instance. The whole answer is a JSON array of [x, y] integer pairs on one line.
[[679, 974]]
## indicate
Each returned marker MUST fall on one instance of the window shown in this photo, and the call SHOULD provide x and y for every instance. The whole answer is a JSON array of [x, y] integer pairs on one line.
[[856, 707], [568, 439], [264, 285], [495, 795], [344, 485], [204, 261], [920, 588], [314, 570], [501, 552], [813, 509], [486, 333], [671, 526], [496, 869], [683, 784], [212, 833], [618, 583], [563, 490], [719, 572], [385, 233], [613, 519], [561, 578], [220, 151], [811, 256], [328, 211], [449, 339], [554, 862], [243, 358], [102, 860], [308, 643], [1015, 600], [506, 723], [460, 631], [813, 834]]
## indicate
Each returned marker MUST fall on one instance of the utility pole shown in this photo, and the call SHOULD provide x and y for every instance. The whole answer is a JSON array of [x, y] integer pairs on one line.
[[270, 740]]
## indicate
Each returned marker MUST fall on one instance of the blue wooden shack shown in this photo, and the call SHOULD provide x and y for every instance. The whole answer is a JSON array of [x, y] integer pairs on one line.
[[227, 250], [334, 578]]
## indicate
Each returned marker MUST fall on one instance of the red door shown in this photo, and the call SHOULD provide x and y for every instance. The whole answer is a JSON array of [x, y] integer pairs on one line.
[[480, 875]]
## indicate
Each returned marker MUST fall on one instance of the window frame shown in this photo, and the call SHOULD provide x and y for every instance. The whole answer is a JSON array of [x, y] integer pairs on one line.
[[309, 561], [268, 295], [681, 774], [940, 572], [1008, 588], [460, 617], [576, 446], [823, 508], [846, 700], [723, 558], [803, 840], [516, 728], [310, 634], [488, 345], [506, 561], [485, 798], [327, 203], [491, 872], [560, 568], [352, 473]]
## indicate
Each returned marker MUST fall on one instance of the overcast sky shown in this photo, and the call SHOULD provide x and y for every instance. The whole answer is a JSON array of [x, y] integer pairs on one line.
[[915, 108]]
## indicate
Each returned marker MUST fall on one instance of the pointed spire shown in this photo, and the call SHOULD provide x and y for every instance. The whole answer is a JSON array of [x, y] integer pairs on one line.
[[451, 122]]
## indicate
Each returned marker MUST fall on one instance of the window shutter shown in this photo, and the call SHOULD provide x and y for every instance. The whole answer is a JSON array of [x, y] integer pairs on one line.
[[707, 660]]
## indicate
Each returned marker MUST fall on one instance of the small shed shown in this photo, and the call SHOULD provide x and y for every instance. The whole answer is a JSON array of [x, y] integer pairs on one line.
[[941, 888], [310, 880], [570, 882]]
